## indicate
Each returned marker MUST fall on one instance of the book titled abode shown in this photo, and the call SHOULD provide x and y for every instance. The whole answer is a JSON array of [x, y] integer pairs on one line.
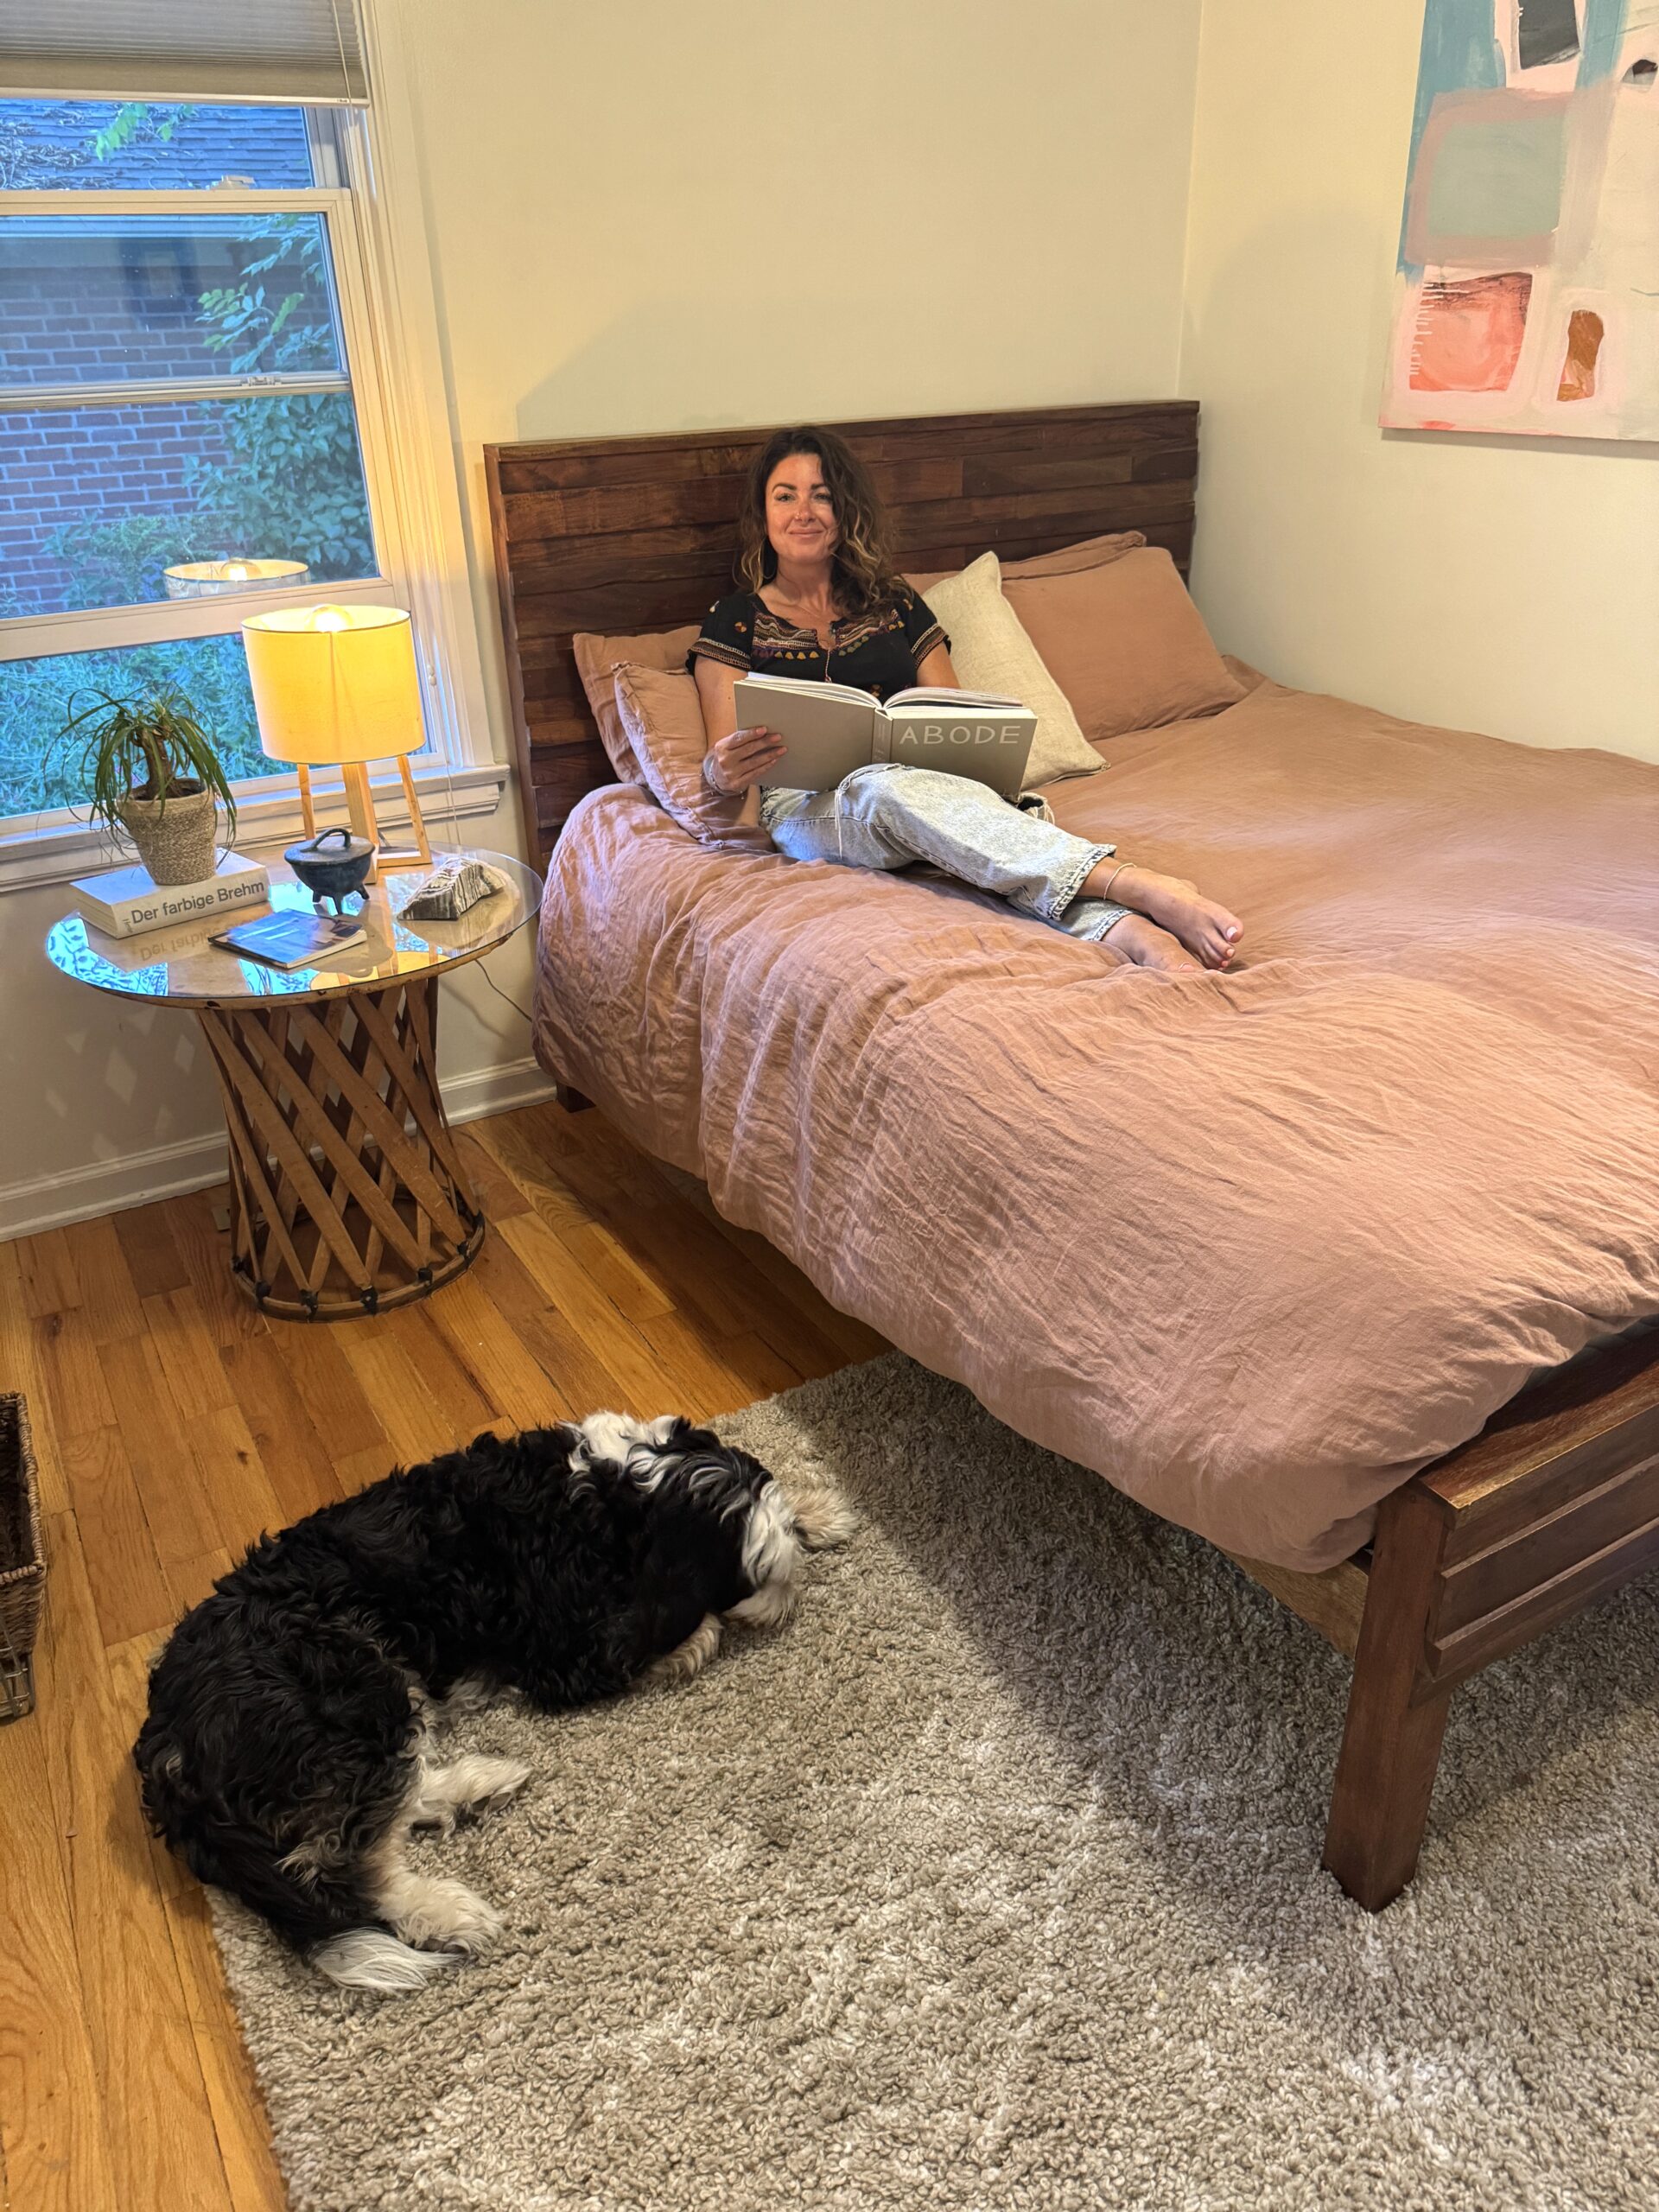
[[123, 902], [830, 729]]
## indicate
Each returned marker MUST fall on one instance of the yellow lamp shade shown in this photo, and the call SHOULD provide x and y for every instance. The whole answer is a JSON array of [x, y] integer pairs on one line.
[[334, 684]]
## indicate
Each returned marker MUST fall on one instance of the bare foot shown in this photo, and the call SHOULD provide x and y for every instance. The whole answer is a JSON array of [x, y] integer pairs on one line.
[[1204, 926], [1147, 945]]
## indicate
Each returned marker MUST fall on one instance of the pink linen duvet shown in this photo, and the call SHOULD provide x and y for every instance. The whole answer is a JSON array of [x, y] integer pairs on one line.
[[1255, 1247]]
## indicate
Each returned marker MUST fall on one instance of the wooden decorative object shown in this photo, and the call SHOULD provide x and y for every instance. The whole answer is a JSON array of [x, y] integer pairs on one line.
[[338, 1206], [632, 534]]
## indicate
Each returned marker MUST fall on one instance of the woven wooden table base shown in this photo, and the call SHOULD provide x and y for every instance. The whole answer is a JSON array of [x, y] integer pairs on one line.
[[347, 1193]]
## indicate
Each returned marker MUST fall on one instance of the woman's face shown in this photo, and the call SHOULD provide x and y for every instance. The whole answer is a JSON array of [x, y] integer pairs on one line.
[[800, 514]]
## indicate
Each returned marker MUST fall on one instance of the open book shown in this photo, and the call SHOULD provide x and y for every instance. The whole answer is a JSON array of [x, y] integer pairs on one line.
[[830, 729]]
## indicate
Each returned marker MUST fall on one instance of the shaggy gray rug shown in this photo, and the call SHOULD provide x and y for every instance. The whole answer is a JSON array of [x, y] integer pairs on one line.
[[993, 1881]]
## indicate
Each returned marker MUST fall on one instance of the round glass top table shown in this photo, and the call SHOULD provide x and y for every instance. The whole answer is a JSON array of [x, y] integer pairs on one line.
[[347, 1195]]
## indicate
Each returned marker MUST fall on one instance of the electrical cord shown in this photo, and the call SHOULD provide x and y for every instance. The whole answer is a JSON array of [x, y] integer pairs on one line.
[[500, 994]]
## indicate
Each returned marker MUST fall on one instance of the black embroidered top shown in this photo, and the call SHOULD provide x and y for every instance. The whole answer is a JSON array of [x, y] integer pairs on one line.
[[880, 652]]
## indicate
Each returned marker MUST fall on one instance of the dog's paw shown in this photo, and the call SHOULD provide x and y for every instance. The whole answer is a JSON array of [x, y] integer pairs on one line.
[[494, 1781], [436, 1915], [473, 1783], [688, 1658]]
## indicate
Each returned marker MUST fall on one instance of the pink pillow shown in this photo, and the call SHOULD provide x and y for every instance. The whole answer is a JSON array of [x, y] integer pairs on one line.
[[1123, 640], [662, 719], [1087, 553], [596, 657]]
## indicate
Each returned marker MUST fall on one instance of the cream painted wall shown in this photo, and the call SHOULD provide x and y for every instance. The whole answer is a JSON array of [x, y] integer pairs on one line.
[[647, 216], [1510, 585]]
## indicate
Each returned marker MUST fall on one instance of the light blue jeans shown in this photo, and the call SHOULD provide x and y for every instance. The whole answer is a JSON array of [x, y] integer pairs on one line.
[[887, 815]]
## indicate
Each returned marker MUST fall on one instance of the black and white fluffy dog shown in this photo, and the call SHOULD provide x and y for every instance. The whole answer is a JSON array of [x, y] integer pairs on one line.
[[290, 1747]]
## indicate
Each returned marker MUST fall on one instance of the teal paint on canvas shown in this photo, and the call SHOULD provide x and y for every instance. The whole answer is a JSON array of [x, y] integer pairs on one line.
[[1460, 53], [1498, 180], [1601, 37]]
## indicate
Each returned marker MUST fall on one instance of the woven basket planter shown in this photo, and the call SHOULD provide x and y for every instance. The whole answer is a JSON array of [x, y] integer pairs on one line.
[[174, 836], [22, 1559]]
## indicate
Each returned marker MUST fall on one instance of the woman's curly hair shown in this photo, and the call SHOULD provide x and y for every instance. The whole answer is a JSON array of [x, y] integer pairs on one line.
[[862, 575]]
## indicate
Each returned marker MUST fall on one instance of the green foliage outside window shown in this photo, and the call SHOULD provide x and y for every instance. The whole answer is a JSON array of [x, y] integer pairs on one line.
[[35, 696]]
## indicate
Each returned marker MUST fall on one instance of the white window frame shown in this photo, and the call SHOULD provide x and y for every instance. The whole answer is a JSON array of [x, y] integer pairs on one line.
[[387, 312]]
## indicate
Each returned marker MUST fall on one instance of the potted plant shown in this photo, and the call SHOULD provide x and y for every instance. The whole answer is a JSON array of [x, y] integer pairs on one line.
[[148, 767]]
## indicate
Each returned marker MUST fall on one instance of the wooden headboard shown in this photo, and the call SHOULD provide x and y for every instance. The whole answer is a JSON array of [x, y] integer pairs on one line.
[[630, 534]]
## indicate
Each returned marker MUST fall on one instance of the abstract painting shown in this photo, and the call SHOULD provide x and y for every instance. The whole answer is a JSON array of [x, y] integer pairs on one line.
[[1527, 295]]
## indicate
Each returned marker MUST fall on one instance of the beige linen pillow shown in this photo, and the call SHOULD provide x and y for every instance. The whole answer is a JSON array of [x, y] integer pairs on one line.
[[596, 657], [991, 652], [1124, 643], [662, 720]]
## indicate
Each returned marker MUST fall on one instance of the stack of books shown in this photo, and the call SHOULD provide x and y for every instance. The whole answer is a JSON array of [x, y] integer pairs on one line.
[[123, 902]]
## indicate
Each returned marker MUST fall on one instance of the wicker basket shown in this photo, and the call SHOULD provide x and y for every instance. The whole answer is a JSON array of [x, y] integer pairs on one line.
[[174, 836], [22, 1559]]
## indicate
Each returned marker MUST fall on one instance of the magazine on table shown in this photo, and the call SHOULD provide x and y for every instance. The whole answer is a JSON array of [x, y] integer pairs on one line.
[[830, 729], [290, 940]]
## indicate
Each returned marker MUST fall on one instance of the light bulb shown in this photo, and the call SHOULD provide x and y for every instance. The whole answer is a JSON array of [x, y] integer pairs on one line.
[[237, 571], [330, 617]]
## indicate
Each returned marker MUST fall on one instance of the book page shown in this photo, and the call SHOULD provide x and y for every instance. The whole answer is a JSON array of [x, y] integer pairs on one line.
[[943, 695], [827, 729]]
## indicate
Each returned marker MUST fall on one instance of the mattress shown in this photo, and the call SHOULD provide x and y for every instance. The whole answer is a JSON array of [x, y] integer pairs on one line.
[[1255, 1247]]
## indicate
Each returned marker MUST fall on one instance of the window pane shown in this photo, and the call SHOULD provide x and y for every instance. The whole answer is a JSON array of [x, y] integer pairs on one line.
[[97, 298], [99, 146], [96, 502], [35, 699]]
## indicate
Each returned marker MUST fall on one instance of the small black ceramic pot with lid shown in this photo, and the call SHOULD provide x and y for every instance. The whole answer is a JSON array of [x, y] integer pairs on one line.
[[334, 866]]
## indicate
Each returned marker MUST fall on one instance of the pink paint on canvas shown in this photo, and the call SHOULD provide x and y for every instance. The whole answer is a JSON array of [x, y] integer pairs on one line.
[[1470, 333]]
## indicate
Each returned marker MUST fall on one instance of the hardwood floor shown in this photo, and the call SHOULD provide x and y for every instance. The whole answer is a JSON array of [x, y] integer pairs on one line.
[[173, 1424]]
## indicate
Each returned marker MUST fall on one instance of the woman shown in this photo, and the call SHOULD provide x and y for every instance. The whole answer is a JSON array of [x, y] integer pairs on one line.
[[821, 602]]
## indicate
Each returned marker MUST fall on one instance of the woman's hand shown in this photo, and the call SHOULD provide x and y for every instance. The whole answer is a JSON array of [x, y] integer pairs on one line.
[[733, 764]]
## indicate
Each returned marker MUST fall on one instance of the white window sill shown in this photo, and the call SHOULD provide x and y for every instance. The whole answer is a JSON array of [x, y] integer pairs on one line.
[[60, 849]]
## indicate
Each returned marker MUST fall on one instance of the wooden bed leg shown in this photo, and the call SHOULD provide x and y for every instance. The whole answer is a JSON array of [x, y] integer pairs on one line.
[[573, 1101], [1391, 1746]]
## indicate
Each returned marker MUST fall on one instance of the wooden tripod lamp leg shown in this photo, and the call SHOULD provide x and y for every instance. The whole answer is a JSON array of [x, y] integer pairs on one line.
[[1391, 1746], [422, 850], [360, 807]]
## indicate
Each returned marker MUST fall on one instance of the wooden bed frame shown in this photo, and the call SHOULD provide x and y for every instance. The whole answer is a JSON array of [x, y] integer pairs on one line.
[[1555, 1503]]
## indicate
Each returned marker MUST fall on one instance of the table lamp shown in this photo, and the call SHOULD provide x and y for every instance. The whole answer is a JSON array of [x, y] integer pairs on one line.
[[336, 687]]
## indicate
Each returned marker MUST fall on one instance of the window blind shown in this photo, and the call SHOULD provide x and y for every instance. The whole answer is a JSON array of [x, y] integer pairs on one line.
[[280, 50]]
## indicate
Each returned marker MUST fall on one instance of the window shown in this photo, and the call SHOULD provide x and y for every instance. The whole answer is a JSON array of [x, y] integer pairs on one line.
[[193, 424]]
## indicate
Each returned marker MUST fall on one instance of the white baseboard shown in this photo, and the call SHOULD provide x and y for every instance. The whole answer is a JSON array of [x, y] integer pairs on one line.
[[167, 1170]]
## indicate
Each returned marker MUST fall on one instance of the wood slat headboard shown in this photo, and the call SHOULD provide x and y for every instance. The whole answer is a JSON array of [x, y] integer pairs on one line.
[[631, 534]]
